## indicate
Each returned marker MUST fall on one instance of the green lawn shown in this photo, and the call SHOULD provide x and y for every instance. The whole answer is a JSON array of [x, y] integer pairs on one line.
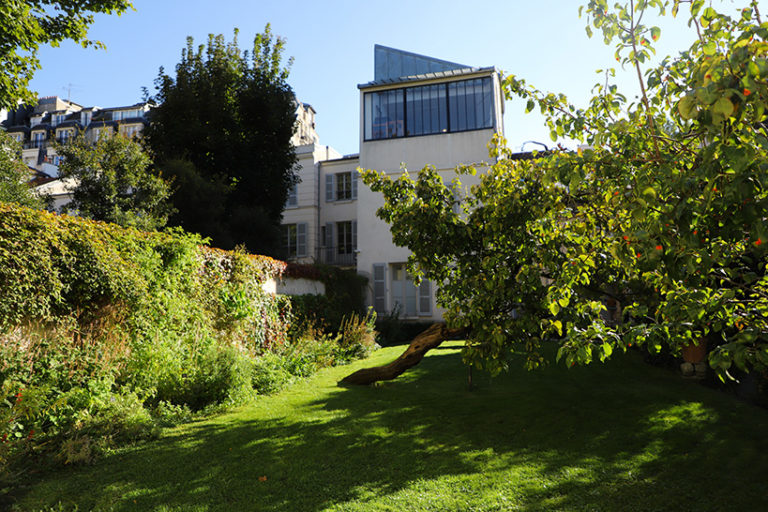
[[613, 437]]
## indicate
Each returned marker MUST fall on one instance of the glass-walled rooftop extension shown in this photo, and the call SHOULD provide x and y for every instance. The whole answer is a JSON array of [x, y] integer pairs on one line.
[[429, 109]]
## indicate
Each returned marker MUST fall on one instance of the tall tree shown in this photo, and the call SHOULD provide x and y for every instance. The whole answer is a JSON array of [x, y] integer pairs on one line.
[[224, 125], [26, 25], [113, 182], [14, 176], [663, 216]]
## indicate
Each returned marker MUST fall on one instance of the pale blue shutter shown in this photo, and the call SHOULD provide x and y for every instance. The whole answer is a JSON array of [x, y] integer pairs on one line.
[[355, 176], [329, 188], [301, 239], [425, 298], [379, 288], [329, 242], [354, 236]]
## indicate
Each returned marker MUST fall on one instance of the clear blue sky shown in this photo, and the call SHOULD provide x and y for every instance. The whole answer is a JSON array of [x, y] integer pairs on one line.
[[332, 42]]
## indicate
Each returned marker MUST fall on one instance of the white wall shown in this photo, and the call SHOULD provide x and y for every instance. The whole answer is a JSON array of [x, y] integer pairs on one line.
[[300, 286], [309, 192]]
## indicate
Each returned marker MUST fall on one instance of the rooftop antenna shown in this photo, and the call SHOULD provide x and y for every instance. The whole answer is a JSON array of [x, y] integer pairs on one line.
[[68, 88]]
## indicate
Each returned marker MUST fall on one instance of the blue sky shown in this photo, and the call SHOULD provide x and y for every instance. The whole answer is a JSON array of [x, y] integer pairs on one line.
[[332, 43]]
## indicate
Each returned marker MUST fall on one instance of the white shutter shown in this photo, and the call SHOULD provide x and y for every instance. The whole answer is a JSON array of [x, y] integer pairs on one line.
[[355, 177], [329, 188], [380, 288]]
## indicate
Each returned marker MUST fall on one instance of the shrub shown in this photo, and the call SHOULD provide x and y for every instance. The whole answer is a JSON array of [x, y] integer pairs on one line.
[[99, 325]]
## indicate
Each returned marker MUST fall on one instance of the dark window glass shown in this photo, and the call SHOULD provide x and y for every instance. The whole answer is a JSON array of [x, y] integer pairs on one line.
[[426, 110], [429, 109], [470, 104], [384, 114]]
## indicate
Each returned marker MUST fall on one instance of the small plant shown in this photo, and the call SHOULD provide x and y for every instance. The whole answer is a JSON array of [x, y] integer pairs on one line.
[[358, 335]]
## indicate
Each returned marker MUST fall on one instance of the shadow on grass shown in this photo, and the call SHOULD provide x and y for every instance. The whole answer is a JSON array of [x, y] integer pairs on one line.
[[616, 437]]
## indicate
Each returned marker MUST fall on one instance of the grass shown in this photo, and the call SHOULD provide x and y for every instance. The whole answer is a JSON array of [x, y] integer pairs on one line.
[[613, 437]]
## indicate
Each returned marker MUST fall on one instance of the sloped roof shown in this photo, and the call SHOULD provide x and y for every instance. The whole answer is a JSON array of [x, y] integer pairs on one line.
[[396, 66]]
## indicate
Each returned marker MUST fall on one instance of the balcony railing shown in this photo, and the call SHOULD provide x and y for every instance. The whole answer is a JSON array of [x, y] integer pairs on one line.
[[342, 256], [37, 144]]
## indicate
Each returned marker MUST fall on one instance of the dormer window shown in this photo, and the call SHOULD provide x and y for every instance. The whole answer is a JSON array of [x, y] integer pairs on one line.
[[57, 119], [65, 135]]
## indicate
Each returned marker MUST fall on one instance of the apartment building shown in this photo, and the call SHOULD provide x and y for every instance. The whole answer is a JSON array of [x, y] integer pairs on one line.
[[55, 119], [417, 110]]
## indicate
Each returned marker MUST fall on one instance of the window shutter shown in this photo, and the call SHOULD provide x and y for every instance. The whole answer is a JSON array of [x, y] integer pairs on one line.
[[354, 235], [355, 176], [379, 288], [329, 242], [425, 298], [301, 239], [329, 188]]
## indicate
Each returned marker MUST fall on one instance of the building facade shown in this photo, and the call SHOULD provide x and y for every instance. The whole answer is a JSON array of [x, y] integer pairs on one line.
[[417, 111]]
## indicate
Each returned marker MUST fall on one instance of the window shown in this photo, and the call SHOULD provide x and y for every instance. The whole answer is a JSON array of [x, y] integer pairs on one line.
[[56, 160], [65, 135], [130, 131], [119, 115], [293, 197], [340, 241], [38, 139], [85, 118], [295, 240], [385, 112], [341, 186], [470, 104], [412, 300], [346, 237], [57, 118], [429, 109]]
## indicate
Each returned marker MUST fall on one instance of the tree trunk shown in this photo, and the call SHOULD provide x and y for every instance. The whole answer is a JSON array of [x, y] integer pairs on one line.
[[421, 344]]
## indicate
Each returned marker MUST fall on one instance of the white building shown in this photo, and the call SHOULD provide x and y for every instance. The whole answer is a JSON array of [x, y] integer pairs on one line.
[[417, 111]]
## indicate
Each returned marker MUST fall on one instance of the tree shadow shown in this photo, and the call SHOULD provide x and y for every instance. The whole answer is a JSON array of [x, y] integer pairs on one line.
[[360, 443]]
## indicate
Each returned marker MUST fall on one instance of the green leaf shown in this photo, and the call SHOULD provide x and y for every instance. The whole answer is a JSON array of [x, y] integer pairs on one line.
[[655, 33], [529, 106], [554, 308], [687, 107], [723, 107]]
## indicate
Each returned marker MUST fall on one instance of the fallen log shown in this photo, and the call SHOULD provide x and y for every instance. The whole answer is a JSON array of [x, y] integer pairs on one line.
[[420, 345]]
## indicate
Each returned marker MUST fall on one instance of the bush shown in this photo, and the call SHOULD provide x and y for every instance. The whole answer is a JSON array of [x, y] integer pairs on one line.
[[100, 325]]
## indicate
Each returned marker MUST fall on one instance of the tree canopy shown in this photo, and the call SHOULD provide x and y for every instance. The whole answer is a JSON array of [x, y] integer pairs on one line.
[[223, 125], [661, 216], [14, 176], [26, 25], [113, 182]]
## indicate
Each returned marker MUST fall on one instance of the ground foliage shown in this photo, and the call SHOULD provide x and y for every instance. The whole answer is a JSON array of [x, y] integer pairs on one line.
[[221, 128], [27, 24], [109, 333], [101, 325], [663, 214]]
